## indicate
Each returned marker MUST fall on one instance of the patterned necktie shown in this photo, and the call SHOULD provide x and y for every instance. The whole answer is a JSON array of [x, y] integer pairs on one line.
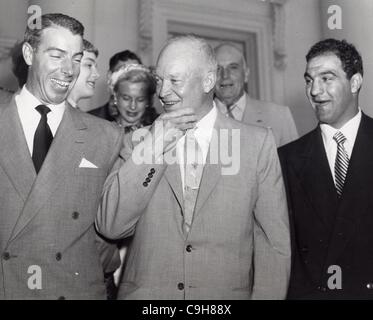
[[230, 111], [341, 162], [193, 162], [42, 139]]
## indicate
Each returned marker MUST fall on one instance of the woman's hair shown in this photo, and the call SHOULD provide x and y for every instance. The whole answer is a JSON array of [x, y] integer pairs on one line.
[[137, 73]]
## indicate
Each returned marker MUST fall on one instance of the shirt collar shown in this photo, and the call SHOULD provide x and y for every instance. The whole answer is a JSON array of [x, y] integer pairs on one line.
[[204, 126], [238, 107], [27, 102], [349, 129]]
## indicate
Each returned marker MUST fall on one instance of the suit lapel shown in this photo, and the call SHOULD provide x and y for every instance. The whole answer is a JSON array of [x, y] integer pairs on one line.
[[356, 190], [313, 172], [253, 114], [212, 169], [60, 159], [15, 158]]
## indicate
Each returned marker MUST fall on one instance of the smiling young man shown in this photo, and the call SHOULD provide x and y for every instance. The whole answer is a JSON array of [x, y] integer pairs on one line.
[[328, 174], [198, 233], [53, 163]]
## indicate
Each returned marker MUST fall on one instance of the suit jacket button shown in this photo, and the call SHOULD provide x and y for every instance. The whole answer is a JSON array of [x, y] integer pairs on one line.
[[304, 249], [370, 286], [58, 256], [189, 248], [152, 170], [145, 184], [150, 175], [61, 298], [180, 286], [321, 288], [148, 179], [75, 215], [6, 255]]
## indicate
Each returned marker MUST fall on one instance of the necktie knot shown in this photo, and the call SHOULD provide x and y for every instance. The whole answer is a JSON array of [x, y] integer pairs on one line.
[[42, 109], [339, 138]]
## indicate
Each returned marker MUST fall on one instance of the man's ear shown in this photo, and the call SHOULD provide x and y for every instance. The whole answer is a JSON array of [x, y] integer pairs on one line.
[[356, 81], [247, 74], [28, 53], [209, 81]]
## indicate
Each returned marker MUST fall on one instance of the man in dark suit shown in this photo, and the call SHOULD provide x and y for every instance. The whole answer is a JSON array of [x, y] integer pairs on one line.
[[329, 176], [108, 111], [53, 163]]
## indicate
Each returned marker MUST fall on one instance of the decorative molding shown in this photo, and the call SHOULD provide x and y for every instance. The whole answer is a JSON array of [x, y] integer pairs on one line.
[[278, 33], [145, 26], [157, 16], [6, 44]]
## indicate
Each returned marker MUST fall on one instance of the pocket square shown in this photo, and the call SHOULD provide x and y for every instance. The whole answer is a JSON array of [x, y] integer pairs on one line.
[[86, 164]]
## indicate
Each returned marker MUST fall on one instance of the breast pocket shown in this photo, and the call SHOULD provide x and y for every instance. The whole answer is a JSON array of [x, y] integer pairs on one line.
[[90, 171]]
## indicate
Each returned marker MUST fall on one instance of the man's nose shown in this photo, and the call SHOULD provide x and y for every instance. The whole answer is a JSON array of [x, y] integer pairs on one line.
[[67, 67], [224, 73], [163, 89], [316, 88]]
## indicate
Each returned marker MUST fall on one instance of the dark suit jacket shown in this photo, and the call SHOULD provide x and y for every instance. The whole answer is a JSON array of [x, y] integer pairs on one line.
[[326, 230], [46, 220]]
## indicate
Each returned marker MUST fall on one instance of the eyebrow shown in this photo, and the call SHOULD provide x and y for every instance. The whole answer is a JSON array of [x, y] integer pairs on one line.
[[62, 51], [91, 59], [306, 74]]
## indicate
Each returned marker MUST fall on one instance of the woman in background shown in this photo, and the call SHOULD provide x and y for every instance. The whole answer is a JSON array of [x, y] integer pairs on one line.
[[133, 87]]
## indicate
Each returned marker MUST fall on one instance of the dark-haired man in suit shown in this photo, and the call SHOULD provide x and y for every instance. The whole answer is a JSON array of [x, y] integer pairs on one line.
[[329, 176], [53, 163]]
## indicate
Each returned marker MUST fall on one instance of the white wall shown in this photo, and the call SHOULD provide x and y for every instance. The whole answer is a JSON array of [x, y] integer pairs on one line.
[[357, 28], [303, 29]]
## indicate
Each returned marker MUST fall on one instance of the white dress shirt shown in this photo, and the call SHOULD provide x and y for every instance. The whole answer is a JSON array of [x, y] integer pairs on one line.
[[237, 109], [203, 134], [349, 130], [30, 117]]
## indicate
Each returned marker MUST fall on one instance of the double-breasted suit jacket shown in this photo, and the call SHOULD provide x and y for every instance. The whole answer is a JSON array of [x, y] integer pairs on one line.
[[238, 246], [47, 237], [327, 232]]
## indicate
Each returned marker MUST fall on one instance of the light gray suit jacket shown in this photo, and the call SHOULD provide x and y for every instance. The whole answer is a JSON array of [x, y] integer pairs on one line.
[[271, 115], [47, 220], [238, 246]]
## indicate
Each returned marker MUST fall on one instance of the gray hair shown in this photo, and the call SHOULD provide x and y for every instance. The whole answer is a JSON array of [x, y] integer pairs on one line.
[[200, 45]]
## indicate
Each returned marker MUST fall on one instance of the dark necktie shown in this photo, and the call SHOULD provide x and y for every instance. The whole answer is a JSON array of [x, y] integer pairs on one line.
[[341, 162], [42, 139]]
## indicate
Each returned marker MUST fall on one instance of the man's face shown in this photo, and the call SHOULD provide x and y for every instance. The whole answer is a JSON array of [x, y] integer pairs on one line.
[[179, 78], [55, 64], [86, 82], [232, 75], [132, 100], [329, 91]]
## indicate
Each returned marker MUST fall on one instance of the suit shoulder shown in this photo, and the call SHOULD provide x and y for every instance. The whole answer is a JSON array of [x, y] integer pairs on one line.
[[296, 146], [101, 125], [272, 107]]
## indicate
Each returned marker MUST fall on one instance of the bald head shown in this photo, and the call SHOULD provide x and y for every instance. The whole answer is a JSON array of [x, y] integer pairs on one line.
[[186, 74], [232, 73]]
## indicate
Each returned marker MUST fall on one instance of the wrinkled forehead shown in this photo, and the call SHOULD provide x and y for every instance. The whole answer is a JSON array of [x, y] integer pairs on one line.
[[228, 54], [181, 59]]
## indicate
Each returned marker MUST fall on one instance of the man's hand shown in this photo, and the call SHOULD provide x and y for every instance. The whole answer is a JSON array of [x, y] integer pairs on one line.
[[166, 130]]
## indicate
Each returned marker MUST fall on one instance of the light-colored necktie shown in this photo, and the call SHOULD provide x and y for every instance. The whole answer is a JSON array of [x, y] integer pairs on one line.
[[341, 162], [193, 163]]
